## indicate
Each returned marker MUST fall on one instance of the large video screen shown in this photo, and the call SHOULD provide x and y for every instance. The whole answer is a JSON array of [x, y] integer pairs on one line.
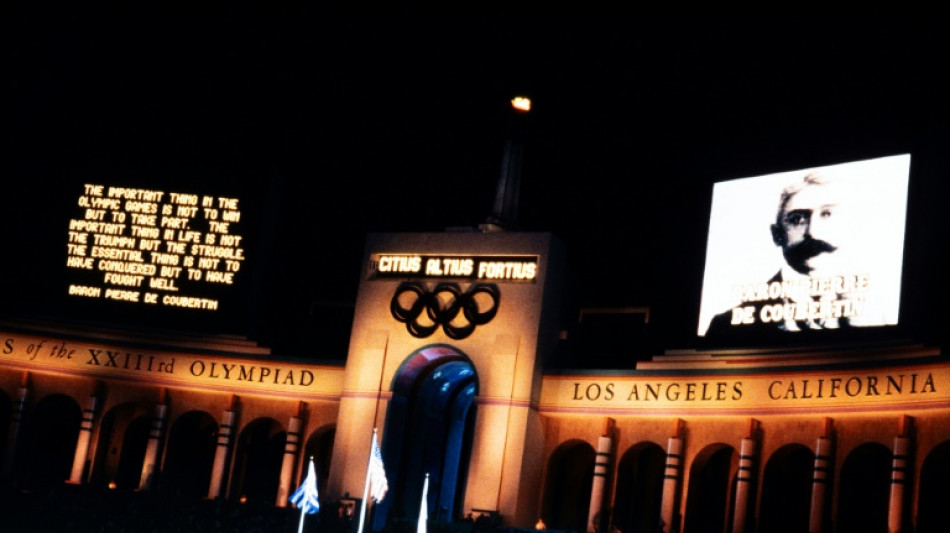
[[810, 250]]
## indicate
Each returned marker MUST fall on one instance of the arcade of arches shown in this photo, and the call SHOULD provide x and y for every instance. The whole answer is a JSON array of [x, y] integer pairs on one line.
[[857, 469], [45, 434], [821, 440], [783, 484]]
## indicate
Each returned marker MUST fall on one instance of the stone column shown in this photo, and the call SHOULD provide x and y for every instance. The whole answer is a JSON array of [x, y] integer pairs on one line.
[[291, 449], [671, 480], [595, 515], [15, 430], [900, 475], [225, 431], [82, 443], [155, 436], [745, 478], [824, 453]]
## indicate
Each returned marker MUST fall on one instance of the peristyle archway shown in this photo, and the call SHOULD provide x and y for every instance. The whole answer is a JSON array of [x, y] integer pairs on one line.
[[429, 427]]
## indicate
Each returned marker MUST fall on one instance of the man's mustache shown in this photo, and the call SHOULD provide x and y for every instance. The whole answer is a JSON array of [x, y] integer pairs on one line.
[[809, 248]]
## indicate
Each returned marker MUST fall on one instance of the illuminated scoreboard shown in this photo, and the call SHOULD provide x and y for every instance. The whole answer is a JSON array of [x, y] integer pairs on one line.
[[153, 247]]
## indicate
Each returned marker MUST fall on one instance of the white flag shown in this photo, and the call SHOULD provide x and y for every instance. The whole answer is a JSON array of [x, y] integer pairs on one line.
[[305, 497], [377, 473], [424, 508]]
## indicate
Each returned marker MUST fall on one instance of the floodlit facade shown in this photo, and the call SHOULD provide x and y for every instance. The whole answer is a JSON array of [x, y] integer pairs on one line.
[[446, 362]]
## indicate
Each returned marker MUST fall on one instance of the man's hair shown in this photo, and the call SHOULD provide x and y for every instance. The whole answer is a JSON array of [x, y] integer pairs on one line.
[[795, 188]]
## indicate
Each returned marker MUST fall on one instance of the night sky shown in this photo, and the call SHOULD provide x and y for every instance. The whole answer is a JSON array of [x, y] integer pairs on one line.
[[329, 125]]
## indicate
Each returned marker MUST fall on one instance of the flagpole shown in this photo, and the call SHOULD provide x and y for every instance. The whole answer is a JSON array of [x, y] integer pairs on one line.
[[379, 391], [422, 524], [305, 497], [369, 465]]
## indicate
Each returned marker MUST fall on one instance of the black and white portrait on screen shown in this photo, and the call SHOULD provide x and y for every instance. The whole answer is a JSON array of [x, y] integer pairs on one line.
[[806, 250]]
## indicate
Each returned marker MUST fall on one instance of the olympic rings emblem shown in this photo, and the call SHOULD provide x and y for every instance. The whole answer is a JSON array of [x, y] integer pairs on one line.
[[423, 311]]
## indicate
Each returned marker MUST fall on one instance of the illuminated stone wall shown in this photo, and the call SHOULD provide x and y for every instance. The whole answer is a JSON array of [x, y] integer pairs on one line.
[[757, 409], [739, 412], [232, 383], [524, 269]]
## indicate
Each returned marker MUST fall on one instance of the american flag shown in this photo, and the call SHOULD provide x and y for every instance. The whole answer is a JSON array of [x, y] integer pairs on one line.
[[305, 497], [377, 473]]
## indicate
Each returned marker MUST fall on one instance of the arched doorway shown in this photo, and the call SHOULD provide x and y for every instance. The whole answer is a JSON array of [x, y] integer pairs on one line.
[[639, 488], [711, 490], [53, 429], [6, 415], [786, 490], [258, 459], [933, 513], [319, 446], [865, 489], [567, 488], [429, 428], [189, 458], [120, 453]]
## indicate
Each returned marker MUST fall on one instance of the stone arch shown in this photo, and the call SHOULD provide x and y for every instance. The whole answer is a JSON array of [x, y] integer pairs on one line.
[[258, 459], [52, 430], [120, 452], [429, 428], [567, 488], [786, 489], [319, 445], [933, 513], [189, 455], [639, 493], [6, 418], [864, 493], [711, 489]]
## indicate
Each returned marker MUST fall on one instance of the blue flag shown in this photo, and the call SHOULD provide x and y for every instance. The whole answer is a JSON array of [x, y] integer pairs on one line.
[[305, 497]]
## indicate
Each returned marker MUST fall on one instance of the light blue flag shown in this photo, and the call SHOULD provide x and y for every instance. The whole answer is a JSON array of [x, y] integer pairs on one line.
[[305, 497]]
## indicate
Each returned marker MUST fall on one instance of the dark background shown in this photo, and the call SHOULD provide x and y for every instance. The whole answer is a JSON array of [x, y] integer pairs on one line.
[[328, 125]]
